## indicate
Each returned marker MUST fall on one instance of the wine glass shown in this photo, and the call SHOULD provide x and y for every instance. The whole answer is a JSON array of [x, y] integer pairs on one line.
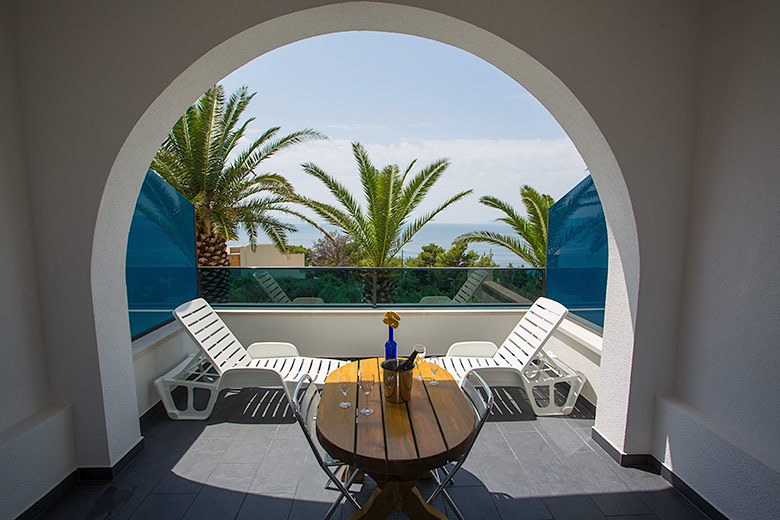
[[434, 368], [344, 387], [366, 385], [420, 349]]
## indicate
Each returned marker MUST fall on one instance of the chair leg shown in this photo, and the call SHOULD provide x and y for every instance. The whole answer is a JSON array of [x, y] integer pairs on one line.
[[452, 505], [441, 491], [333, 507], [446, 480]]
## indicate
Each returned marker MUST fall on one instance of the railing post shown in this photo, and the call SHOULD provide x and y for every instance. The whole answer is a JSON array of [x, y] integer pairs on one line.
[[373, 289]]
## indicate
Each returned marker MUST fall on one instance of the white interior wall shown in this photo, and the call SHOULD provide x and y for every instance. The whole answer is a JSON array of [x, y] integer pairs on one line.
[[73, 119], [22, 366], [36, 438], [728, 357]]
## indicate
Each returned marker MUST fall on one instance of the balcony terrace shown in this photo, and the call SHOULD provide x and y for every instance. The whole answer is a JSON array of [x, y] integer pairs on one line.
[[250, 460]]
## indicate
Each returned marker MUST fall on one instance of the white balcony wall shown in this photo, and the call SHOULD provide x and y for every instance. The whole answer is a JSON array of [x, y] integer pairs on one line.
[[155, 354], [361, 333]]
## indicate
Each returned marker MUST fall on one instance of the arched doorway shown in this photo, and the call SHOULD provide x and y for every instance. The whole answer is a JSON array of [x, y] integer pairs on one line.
[[124, 181]]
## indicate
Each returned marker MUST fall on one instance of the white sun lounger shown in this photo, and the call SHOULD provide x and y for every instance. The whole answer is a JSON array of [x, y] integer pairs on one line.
[[225, 363], [523, 352]]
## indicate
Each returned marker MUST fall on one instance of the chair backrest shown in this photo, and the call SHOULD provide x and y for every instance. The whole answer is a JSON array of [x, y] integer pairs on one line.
[[306, 401], [531, 333], [471, 385], [470, 286], [271, 287], [482, 404], [211, 334]]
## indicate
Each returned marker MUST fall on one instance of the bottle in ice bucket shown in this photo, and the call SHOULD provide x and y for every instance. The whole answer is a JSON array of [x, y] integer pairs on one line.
[[391, 320]]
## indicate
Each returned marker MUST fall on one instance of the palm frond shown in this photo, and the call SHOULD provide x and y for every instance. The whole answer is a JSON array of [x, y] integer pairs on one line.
[[508, 242]]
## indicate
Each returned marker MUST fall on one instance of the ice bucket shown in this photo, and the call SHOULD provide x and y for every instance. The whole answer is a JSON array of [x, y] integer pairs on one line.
[[398, 385]]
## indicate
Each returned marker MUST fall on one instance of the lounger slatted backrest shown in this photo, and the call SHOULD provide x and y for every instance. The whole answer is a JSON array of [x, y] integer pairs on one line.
[[271, 287], [470, 286], [211, 334], [531, 333]]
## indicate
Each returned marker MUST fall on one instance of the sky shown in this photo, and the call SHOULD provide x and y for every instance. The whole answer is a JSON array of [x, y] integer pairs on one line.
[[407, 98]]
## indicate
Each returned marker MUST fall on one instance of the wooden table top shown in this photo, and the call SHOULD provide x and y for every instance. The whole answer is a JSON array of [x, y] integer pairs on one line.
[[399, 440]]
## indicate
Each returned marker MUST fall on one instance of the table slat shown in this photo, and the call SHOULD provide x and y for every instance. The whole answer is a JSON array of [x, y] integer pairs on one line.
[[454, 413], [370, 435], [398, 431], [339, 423], [427, 433]]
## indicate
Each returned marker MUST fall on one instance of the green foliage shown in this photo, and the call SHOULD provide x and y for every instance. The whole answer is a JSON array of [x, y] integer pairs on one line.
[[228, 194], [434, 282], [530, 243], [244, 288], [336, 286], [335, 251], [434, 255], [383, 227]]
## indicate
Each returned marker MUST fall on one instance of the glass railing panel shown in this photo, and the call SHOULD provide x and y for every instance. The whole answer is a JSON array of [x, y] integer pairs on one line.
[[289, 286], [516, 286], [318, 286]]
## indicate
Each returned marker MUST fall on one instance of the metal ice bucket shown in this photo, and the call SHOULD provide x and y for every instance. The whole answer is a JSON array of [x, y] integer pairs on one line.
[[398, 385]]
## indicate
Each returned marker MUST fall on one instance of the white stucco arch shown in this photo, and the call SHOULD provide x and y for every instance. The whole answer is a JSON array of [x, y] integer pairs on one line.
[[126, 176]]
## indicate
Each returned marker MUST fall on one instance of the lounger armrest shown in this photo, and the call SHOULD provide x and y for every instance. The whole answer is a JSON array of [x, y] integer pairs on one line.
[[472, 349], [270, 349], [244, 377]]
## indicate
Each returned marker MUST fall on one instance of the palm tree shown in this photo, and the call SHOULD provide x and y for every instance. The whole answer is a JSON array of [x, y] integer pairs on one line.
[[197, 159], [530, 243], [383, 227]]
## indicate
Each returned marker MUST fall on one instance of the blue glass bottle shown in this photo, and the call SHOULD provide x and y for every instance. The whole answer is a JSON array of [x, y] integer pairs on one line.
[[390, 346]]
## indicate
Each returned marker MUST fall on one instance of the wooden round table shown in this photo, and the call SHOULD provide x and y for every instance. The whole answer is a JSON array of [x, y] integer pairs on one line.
[[399, 442]]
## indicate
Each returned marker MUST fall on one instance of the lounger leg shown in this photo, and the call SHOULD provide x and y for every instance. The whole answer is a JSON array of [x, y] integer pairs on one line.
[[575, 385], [165, 388]]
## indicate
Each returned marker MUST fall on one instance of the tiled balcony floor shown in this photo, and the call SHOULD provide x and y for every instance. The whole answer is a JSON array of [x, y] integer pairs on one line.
[[245, 463]]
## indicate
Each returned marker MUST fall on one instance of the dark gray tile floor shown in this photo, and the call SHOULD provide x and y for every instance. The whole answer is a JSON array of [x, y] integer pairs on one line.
[[247, 462]]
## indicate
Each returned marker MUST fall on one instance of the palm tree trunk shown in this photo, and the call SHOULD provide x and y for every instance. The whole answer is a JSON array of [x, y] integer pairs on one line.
[[386, 285], [212, 252]]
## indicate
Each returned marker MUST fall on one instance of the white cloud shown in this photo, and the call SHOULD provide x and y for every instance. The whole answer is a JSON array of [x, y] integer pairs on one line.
[[490, 167]]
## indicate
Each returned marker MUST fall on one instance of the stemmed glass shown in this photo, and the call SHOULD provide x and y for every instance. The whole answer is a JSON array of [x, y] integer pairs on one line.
[[434, 368], [420, 349], [344, 387], [366, 385]]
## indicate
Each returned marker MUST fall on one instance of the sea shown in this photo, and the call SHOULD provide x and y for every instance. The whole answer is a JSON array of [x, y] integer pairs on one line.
[[441, 234]]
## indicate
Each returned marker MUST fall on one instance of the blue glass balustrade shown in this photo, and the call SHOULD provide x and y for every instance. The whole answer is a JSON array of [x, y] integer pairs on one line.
[[161, 270], [577, 252]]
